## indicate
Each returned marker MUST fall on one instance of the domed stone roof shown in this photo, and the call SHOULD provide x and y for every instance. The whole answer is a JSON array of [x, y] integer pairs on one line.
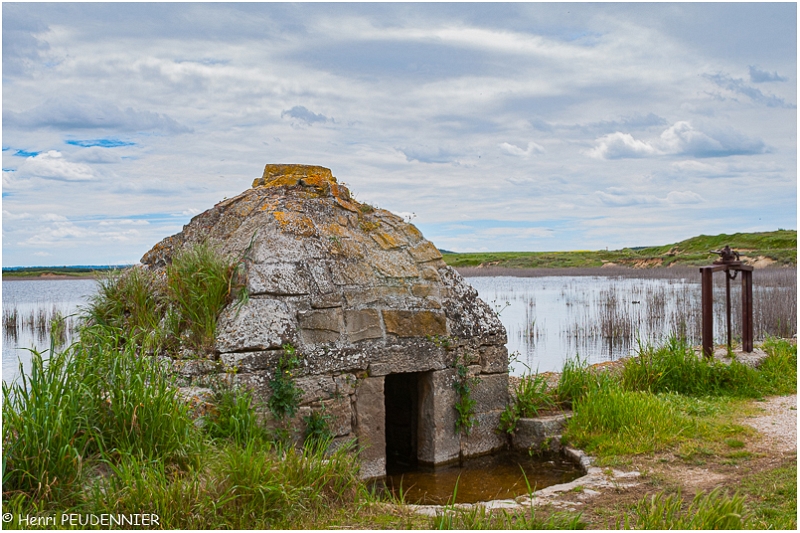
[[357, 290]]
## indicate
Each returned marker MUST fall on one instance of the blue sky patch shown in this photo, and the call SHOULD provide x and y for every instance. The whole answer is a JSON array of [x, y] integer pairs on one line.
[[25, 153], [9, 170], [102, 143]]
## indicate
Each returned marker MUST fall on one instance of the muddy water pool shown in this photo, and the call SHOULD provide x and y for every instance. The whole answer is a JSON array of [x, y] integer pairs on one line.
[[490, 477]]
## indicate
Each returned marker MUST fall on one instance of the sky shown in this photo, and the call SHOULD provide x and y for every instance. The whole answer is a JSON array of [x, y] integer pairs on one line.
[[491, 127]]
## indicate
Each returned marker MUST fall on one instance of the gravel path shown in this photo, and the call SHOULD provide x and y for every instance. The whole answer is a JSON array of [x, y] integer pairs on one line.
[[778, 424]]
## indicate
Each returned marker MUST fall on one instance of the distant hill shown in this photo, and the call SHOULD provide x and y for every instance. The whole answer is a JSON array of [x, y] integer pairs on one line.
[[771, 248], [74, 271]]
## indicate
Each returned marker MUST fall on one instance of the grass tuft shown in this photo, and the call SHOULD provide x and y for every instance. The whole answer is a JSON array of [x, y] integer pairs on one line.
[[715, 510]]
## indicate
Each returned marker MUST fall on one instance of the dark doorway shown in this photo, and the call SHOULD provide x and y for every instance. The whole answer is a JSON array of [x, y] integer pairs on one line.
[[402, 415]]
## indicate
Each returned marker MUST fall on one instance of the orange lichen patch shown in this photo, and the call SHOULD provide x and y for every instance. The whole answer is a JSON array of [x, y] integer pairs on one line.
[[387, 241], [413, 234], [318, 181], [292, 175], [425, 252], [341, 195], [295, 223], [269, 205], [334, 230], [294, 205]]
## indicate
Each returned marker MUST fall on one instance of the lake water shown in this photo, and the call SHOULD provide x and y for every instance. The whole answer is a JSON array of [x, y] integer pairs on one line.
[[35, 302], [548, 319]]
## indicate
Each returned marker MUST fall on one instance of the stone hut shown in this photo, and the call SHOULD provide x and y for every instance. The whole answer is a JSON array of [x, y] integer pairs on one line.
[[378, 320]]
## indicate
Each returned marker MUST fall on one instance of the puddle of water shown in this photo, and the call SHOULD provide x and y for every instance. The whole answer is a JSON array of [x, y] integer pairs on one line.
[[490, 477]]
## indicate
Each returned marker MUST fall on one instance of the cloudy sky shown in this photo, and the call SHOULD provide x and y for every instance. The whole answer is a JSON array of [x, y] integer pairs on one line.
[[491, 126]]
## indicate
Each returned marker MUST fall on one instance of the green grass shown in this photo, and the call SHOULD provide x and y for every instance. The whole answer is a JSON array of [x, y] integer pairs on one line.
[[675, 367], [780, 246], [578, 379], [773, 497], [478, 517], [180, 308], [670, 398], [715, 510], [613, 421]]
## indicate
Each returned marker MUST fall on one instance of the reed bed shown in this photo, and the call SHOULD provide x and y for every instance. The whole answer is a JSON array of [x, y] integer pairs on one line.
[[666, 303], [45, 322]]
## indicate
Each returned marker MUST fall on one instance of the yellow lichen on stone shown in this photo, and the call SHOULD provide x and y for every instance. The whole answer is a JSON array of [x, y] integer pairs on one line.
[[387, 241], [295, 223], [292, 175]]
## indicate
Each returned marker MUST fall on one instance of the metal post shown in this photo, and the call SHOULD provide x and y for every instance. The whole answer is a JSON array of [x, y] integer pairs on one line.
[[747, 310], [707, 306], [728, 307]]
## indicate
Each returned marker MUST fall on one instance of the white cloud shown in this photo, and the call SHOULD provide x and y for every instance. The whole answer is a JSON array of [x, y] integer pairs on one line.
[[679, 139], [51, 165], [621, 197], [7, 215], [124, 222], [684, 197], [515, 150], [682, 138], [621, 145]]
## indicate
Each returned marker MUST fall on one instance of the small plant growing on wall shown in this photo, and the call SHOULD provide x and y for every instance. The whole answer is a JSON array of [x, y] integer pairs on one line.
[[286, 394], [318, 432], [465, 405]]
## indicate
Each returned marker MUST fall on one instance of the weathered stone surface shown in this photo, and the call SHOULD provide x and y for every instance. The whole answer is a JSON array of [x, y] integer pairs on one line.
[[414, 323], [539, 432], [250, 361], [194, 367], [371, 427], [316, 388], [438, 441], [409, 355], [424, 251], [483, 438], [340, 412], [345, 384], [322, 325], [490, 393], [377, 296], [394, 264], [468, 316], [279, 279], [494, 358], [363, 324], [260, 324]]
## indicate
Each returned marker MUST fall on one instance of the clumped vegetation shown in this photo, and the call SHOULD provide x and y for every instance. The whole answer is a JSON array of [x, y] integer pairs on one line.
[[165, 310]]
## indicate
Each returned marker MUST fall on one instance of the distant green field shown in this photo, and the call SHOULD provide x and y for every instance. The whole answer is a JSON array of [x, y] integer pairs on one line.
[[47, 272], [778, 246]]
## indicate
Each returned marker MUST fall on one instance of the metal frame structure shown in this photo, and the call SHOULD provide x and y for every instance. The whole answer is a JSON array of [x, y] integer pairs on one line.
[[727, 263]]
